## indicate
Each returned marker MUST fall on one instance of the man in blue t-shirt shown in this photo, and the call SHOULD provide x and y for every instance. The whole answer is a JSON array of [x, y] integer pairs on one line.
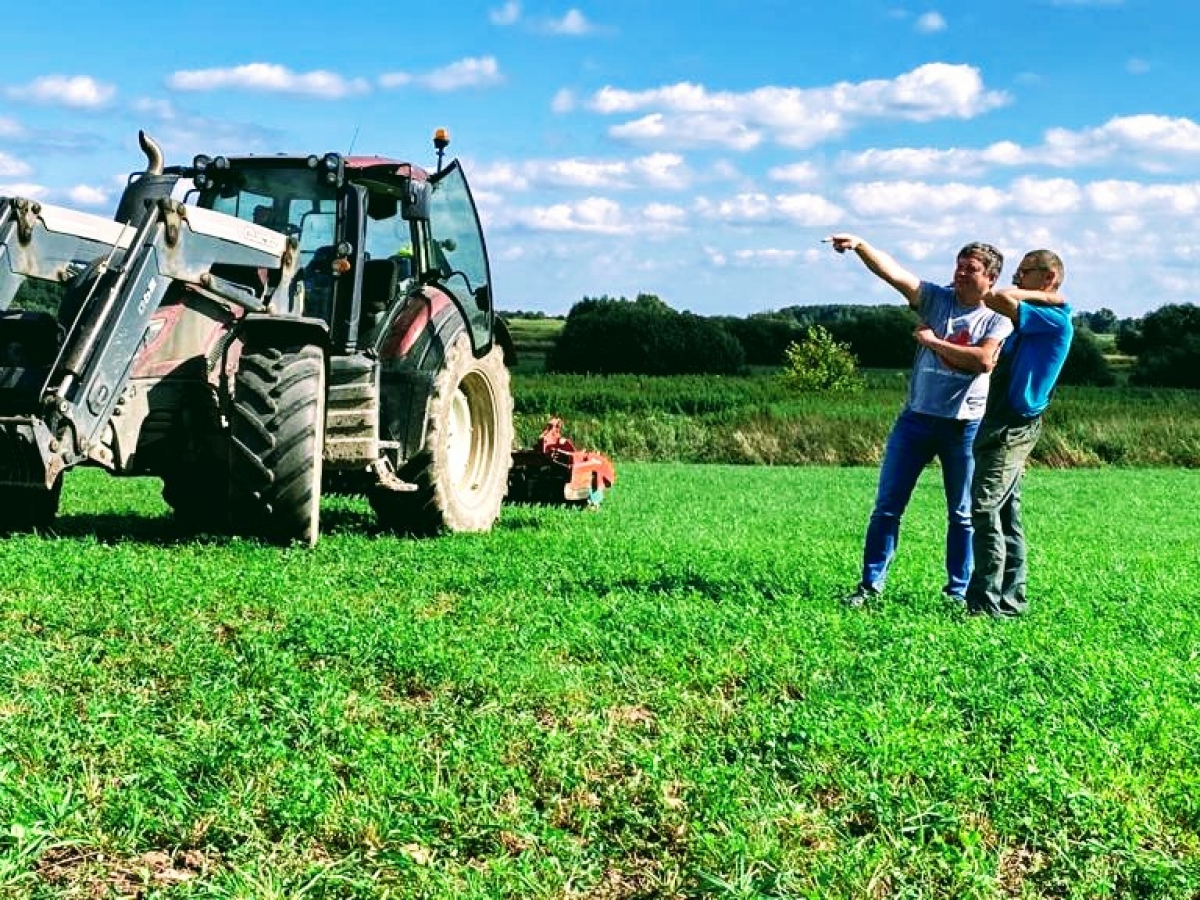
[[1022, 383], [958, 340]]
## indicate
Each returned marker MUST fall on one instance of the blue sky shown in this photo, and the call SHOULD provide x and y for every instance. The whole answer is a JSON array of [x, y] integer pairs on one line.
[[695, 151]]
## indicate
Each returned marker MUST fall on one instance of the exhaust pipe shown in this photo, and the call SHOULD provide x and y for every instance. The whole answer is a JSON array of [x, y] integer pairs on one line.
[[145, 187]]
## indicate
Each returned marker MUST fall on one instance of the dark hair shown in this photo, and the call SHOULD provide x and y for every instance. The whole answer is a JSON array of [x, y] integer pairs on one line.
[[992, 259]]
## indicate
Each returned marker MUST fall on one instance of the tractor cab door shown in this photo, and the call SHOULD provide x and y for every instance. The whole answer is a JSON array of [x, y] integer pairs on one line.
[[458, 257]]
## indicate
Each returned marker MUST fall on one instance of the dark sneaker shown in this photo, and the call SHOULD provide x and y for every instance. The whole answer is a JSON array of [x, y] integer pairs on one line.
[[959, 600], [861, 596]]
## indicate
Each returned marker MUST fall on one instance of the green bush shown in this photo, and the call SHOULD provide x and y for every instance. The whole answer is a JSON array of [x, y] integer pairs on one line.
[[1085, 362], [1170, 348], [819, 363]]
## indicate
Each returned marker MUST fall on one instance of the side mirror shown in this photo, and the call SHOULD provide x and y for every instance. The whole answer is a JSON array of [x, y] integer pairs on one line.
[[415, 205], [483, 297]]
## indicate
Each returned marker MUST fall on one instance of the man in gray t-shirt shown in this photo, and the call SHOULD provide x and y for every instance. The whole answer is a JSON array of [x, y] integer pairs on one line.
[[958, 341]]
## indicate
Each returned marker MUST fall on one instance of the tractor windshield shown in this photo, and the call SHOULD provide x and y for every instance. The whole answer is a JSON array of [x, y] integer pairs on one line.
[[289, 200]]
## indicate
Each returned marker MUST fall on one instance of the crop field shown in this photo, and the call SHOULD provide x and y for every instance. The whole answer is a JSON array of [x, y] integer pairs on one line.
[[661, 698]]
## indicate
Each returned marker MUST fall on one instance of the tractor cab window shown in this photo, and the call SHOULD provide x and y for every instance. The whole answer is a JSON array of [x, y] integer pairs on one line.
[[314, 223], [388, 234], [287, 199]]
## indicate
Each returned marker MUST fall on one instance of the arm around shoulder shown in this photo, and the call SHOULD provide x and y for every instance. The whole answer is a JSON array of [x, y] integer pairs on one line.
[[1007, 301]]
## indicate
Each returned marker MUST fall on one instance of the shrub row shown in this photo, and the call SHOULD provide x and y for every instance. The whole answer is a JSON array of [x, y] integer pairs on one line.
[[755, 420]]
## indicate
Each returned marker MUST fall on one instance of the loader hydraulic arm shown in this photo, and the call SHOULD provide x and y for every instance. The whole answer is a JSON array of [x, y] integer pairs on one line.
[[173, 243]]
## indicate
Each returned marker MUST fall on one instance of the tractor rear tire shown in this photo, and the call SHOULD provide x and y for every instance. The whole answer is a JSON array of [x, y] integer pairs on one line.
[[31, 508], [461, 473], [277, 438]]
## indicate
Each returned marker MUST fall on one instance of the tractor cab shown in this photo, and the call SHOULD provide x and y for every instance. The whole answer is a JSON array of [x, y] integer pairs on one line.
[[367, 230]]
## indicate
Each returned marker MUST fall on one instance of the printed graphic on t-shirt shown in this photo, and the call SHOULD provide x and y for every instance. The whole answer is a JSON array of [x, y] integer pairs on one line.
[[961, 337], [958, 332]]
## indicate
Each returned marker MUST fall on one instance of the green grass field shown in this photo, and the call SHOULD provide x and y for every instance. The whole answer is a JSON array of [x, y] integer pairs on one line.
[[659, 699]]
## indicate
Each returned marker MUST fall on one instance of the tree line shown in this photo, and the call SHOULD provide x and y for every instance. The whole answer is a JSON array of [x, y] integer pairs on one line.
[[645, 336]]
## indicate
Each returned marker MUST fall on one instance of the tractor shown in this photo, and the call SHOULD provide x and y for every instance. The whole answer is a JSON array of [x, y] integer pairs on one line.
[[257, 331]]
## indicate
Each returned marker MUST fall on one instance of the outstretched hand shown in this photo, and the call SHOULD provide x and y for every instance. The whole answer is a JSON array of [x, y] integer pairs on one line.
[[843, 241]]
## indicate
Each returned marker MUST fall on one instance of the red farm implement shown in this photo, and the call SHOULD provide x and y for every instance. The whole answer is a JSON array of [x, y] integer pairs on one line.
[[553, 471]]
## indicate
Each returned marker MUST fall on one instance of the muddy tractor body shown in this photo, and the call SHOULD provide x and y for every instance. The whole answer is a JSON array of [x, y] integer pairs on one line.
[[257, 331]]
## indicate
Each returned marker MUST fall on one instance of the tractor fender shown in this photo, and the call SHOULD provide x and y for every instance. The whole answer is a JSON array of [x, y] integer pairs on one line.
[[411, 352], [275, 330], [409, 338], [272, 328]]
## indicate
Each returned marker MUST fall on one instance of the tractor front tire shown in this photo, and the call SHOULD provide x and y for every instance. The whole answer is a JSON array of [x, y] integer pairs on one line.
[[461, 472], [277, 438]]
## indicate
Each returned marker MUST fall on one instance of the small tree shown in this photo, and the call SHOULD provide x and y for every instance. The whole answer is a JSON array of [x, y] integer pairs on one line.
[[817, 362]]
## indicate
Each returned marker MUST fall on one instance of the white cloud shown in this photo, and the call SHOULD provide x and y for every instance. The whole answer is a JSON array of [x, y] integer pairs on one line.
[[795, 173], [471, 72], [922, 200], [746, 208], [724, 170], [930, 23], [507, 14], [1127, 197], [582, 173], [269, 78], [502, 174], [595, 214], [688, 131], [10, 167], [83, 195], [573, 23], [769, 256], [664, 214], [811, 210], [927, 93], [661, 170], [1137, 66], [22, 189], [919, 162], [1150, 142], [79, 92], [1046, 196], [755, 208], [156, 107], [689, 114], [666, 171], [564, 101], [10, 127]]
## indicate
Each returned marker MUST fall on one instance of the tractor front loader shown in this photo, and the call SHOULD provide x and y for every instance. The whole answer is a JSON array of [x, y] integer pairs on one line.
[[239, 331]]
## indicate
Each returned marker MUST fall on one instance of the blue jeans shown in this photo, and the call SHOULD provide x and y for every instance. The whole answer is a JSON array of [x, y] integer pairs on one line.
[[916, 440]]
